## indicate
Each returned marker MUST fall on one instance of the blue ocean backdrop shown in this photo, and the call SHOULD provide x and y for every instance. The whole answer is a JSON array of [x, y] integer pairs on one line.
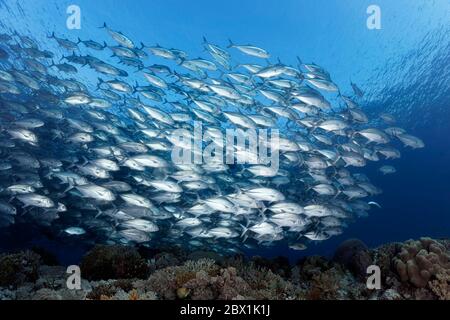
[[403, 68]]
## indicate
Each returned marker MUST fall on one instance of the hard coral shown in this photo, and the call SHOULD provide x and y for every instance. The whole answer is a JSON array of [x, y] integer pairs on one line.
[[421, 261], [264, 284], [225, 286], [279, 265], [113, 262], [441, 286], [16, 269], [167, 281], [311, 266], [325, 286], [102, 291], [46, 294]]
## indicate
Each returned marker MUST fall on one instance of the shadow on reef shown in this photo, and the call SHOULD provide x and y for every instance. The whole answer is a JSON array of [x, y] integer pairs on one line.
[[415, 269]]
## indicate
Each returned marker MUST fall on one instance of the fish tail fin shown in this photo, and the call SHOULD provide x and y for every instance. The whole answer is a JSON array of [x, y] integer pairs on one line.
[[79, 40], [180, 60], [142, 46], [244, 230], [70, 187], [263, 217], [100, 82], [48, 175], [99, 213], [337, 160], [52, 36], [135, 87], [337, 193], [299, 60], [230, 43], [104, 44], [85, 160], [104, 26], [314, 128]]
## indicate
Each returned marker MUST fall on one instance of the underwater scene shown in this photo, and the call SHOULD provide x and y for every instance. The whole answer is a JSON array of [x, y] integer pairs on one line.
[[224, 150]]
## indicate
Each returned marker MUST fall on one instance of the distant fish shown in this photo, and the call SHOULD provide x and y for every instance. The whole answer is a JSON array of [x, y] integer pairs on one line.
[[387, 170], [298, 247], [358, 92]]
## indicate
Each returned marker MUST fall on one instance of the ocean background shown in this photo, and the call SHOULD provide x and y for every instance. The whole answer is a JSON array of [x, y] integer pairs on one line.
[[404, 69]]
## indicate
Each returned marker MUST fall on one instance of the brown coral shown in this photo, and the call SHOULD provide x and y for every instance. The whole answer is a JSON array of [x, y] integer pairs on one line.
[[167, 281], [225, 286], [441, 286], [101, 292], [421, 261], [113, 262], [325, 285], [355, 256]]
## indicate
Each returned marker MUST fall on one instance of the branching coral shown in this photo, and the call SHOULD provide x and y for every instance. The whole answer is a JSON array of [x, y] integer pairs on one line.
[[224, 286], [325, 285], [204, 264], [167, 281], [441, 286], [423, 265], [264, 284]]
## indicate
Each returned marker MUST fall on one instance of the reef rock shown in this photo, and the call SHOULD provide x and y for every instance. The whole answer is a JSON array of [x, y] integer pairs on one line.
[[113, 262], [18, 268], [354, 255]]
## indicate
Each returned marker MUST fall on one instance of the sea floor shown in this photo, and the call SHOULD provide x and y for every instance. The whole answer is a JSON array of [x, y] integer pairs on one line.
[[412, 270]]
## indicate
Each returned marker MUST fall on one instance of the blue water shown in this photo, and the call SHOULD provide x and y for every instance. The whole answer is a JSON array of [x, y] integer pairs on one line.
[[404, 69]]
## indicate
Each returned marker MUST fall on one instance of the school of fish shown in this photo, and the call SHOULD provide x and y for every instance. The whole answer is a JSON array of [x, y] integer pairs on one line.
[[91, 160]]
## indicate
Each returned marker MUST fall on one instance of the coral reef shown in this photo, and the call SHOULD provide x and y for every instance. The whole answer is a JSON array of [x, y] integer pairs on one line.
[[16, 269], [415, 269], [114, 262], [354, 255], [419, 261]]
